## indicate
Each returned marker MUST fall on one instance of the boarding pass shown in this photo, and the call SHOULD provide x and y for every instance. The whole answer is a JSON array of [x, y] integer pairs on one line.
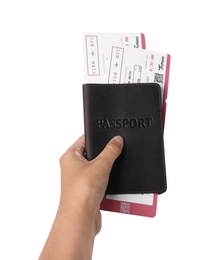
[[97, 52]]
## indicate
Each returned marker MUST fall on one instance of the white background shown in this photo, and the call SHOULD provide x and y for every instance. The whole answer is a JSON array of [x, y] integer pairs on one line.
[[41, 73]]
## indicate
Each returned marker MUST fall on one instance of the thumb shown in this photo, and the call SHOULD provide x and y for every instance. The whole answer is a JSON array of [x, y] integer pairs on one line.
[[110, 153]]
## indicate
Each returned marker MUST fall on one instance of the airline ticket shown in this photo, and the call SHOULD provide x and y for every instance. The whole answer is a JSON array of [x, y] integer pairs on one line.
[[97, 52]]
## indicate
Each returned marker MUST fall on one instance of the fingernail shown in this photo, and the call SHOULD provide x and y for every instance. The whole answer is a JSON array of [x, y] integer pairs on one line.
[[119, 139]]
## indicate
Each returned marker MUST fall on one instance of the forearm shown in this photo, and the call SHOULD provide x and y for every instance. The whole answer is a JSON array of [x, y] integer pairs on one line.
[[71, 237]]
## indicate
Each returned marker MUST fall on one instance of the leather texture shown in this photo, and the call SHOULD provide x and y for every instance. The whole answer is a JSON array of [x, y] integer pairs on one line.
[[134, 112]]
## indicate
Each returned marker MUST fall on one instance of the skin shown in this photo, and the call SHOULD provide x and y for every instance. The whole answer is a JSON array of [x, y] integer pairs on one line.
[[83, 186]]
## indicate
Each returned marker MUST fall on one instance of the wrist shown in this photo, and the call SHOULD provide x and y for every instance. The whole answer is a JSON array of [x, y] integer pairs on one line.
[[79, 216], [84, 202]]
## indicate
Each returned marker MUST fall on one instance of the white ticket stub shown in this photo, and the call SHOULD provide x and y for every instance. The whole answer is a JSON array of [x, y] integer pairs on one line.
[[97, 51], [146, 199]]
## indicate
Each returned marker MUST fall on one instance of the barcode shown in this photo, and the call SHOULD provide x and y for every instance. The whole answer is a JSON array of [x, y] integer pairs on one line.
[[158, 78], [125, 207]]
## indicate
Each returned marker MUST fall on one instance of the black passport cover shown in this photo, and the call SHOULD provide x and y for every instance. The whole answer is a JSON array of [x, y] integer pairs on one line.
[[134, 112]]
